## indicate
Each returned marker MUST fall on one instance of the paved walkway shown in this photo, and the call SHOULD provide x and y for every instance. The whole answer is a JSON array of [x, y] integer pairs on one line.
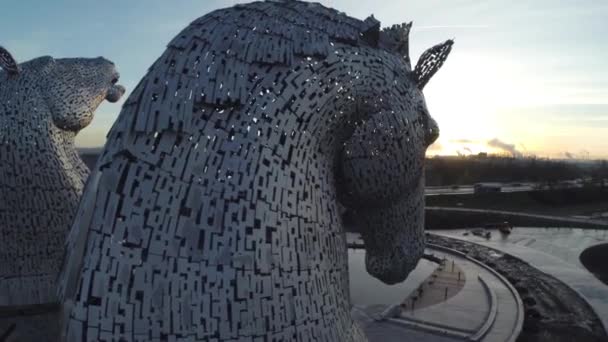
[[390, 332], [466, 311], [469, 309], [554, 251], [484, 308], [445, 282]]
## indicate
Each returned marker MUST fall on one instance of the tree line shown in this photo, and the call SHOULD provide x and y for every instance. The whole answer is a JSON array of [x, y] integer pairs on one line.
[[445, 171]]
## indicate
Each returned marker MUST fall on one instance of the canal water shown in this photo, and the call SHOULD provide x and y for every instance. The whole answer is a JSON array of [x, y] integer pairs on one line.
[[366, 290]]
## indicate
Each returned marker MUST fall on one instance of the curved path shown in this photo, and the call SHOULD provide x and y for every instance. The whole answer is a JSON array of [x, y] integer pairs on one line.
[[554, 251], [486, 308]]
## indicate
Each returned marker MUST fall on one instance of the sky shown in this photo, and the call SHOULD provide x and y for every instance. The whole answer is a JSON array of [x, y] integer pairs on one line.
[[524, 77]]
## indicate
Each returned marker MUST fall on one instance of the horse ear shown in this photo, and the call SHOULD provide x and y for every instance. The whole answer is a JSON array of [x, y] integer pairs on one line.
[[7, 62], [430, 61]]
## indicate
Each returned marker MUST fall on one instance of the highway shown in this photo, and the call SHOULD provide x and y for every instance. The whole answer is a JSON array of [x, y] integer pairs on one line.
[[468, 189]]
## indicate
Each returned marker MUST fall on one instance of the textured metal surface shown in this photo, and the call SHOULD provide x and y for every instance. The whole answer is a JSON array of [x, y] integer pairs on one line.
[[8, 63], [213, 213], [42, 108], [430, 61]]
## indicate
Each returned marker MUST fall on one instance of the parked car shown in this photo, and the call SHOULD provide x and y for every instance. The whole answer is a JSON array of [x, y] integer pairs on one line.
[[504, 227]]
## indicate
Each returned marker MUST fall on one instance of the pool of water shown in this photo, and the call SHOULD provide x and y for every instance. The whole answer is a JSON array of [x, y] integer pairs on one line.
[[366, 290], [594, 259]]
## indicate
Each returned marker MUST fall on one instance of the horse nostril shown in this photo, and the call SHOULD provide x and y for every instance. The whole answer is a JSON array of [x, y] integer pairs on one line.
[[432, 131], [115, 78], [432, 136]]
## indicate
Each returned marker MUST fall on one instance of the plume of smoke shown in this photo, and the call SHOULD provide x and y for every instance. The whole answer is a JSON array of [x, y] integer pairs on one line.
[[462, 141], [510, 148], [523, 148], [569, 155]]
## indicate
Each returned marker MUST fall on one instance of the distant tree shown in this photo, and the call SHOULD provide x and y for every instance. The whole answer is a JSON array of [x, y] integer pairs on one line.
[[444, 171], [600, 174]]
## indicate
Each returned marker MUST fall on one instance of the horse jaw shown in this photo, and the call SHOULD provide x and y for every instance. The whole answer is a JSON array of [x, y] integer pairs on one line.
[[393, 236]]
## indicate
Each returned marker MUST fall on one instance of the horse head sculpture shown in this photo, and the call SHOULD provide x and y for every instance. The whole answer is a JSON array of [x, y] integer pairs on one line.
[[44, 103], [214, 210]]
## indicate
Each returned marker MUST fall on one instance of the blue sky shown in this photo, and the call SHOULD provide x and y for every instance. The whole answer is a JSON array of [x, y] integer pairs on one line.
[[529, 73]]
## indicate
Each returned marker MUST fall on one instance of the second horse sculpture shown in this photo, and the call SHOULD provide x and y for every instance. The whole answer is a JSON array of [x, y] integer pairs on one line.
[[44, 103], [213, 212]]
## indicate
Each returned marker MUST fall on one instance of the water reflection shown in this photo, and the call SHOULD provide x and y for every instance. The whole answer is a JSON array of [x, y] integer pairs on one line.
[[594, 259], [366, 290]]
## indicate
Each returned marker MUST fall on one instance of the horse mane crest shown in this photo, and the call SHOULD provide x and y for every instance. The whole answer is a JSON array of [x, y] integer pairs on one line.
[[213, 56]]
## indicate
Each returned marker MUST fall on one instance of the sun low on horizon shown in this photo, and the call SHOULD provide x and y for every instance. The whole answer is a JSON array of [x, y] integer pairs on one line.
[[523, 78], [306, 171]]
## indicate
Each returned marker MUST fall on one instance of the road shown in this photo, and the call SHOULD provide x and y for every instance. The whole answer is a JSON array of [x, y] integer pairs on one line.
[[468, 189], [584, 222]]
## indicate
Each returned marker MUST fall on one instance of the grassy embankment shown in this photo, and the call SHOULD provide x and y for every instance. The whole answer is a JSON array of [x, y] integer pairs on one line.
[[559, 203]]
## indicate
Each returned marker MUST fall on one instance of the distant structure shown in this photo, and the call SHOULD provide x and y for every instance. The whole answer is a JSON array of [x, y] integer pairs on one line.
[[43, 105], [213, 210], [484, 188]]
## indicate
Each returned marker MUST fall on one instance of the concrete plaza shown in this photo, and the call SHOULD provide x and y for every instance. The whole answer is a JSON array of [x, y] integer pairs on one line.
[[479, 305]]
